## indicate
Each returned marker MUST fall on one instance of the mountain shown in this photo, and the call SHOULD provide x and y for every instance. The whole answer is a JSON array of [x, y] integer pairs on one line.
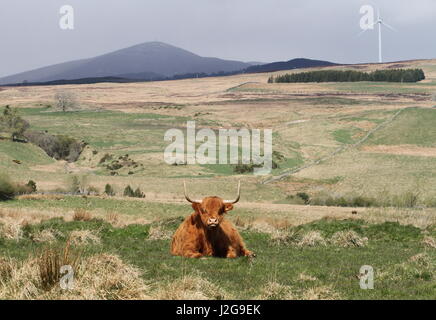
[[288, 65], [147, 61]]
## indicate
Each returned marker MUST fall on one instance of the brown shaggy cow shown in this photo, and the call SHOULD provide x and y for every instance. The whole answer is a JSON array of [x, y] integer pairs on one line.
[[207, 233]]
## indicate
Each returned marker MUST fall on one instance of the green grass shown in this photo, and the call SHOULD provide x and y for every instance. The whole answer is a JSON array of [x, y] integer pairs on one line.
[[390, 245], [96, 127], [28, 154], [343, 136], [414, 126]]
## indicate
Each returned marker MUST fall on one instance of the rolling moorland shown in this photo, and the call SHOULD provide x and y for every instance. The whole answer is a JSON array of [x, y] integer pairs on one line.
[[355, 185]]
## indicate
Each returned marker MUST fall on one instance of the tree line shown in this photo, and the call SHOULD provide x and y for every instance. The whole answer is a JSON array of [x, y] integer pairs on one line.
[[394, 75]]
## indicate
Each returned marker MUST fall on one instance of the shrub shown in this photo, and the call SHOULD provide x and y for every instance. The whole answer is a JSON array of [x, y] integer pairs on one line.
[[91, 190], [410, 199], [65, 100], [79, 185], [304, 196], [109, 190], [128, 192], [105, 158], [138, 193], [12, 124], [7, 188], [362, 202], [59, 147], [249, 168], [74, 185], [32, 185]]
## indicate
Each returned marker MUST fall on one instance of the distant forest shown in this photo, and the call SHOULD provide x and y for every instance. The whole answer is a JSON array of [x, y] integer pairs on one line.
[[395, 75]]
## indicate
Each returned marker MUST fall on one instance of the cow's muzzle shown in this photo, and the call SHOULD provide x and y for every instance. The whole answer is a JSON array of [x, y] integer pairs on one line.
[[212, 223]]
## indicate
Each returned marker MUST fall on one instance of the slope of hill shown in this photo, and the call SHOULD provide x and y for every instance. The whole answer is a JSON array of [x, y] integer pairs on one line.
[[152, 58], [288, 65]]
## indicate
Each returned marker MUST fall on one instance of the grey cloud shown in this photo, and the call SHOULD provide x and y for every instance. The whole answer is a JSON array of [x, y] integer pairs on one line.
[[246, 30]]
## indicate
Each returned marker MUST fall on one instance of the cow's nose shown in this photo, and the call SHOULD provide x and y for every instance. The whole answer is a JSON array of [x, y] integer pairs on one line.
[[213, 221]]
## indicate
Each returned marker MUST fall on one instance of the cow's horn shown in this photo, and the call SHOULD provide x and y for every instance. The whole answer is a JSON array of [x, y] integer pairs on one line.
[[186, 195], [238, 197]]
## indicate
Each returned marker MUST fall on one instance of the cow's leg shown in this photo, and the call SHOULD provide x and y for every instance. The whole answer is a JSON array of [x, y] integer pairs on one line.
[[193, 254], [246, 253], [231, 253]]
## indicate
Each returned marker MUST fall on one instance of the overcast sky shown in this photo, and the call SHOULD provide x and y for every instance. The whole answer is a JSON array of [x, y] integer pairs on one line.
[[246, 30]]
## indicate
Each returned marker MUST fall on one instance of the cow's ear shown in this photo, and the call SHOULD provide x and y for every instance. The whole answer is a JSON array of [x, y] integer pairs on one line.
[[197, 207], [228, 207]]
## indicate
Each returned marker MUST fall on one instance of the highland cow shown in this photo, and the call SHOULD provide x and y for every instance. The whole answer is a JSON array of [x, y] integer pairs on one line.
[[206, 232]]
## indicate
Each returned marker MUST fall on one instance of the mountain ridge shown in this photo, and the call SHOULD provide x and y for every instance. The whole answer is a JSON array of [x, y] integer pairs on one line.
[[154, 57], [147, 61]]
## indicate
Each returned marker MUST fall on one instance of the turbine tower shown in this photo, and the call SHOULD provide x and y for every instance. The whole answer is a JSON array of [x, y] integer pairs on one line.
[[380, 23]]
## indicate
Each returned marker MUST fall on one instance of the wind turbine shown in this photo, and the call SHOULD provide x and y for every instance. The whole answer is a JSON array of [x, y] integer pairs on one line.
[[379, 22]]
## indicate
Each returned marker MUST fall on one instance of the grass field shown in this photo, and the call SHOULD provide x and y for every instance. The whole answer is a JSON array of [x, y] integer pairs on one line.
[[341, 144]]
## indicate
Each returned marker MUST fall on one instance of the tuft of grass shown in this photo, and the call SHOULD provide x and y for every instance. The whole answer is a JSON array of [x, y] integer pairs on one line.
[[275, 291], [12, 230], [7, 188], [46, 235], [6, 268], [348, 239], [107, 276], [429, 242], [84, 237], [159, 233], [312, 239], [50, 261], [320, 293], [82, 215], [190, 287]]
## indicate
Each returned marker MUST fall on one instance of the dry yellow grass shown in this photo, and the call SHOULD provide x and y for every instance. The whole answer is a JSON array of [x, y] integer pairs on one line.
[[190, 287], [10, 229], [429, 242], [101, 276], [305, 277], [348, 239], [408, 150], [320, 293], [50, 261], [276, 291], [46, 235], [84, 237], [159, 233], [25, 216], [82, 215], [312, 239]]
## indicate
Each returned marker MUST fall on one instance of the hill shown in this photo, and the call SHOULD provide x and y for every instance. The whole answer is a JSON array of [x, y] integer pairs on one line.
[[151, 60], [288, 65]]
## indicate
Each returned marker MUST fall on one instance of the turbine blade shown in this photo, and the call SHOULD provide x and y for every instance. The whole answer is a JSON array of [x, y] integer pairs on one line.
[[390, 27], [361, 32]]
